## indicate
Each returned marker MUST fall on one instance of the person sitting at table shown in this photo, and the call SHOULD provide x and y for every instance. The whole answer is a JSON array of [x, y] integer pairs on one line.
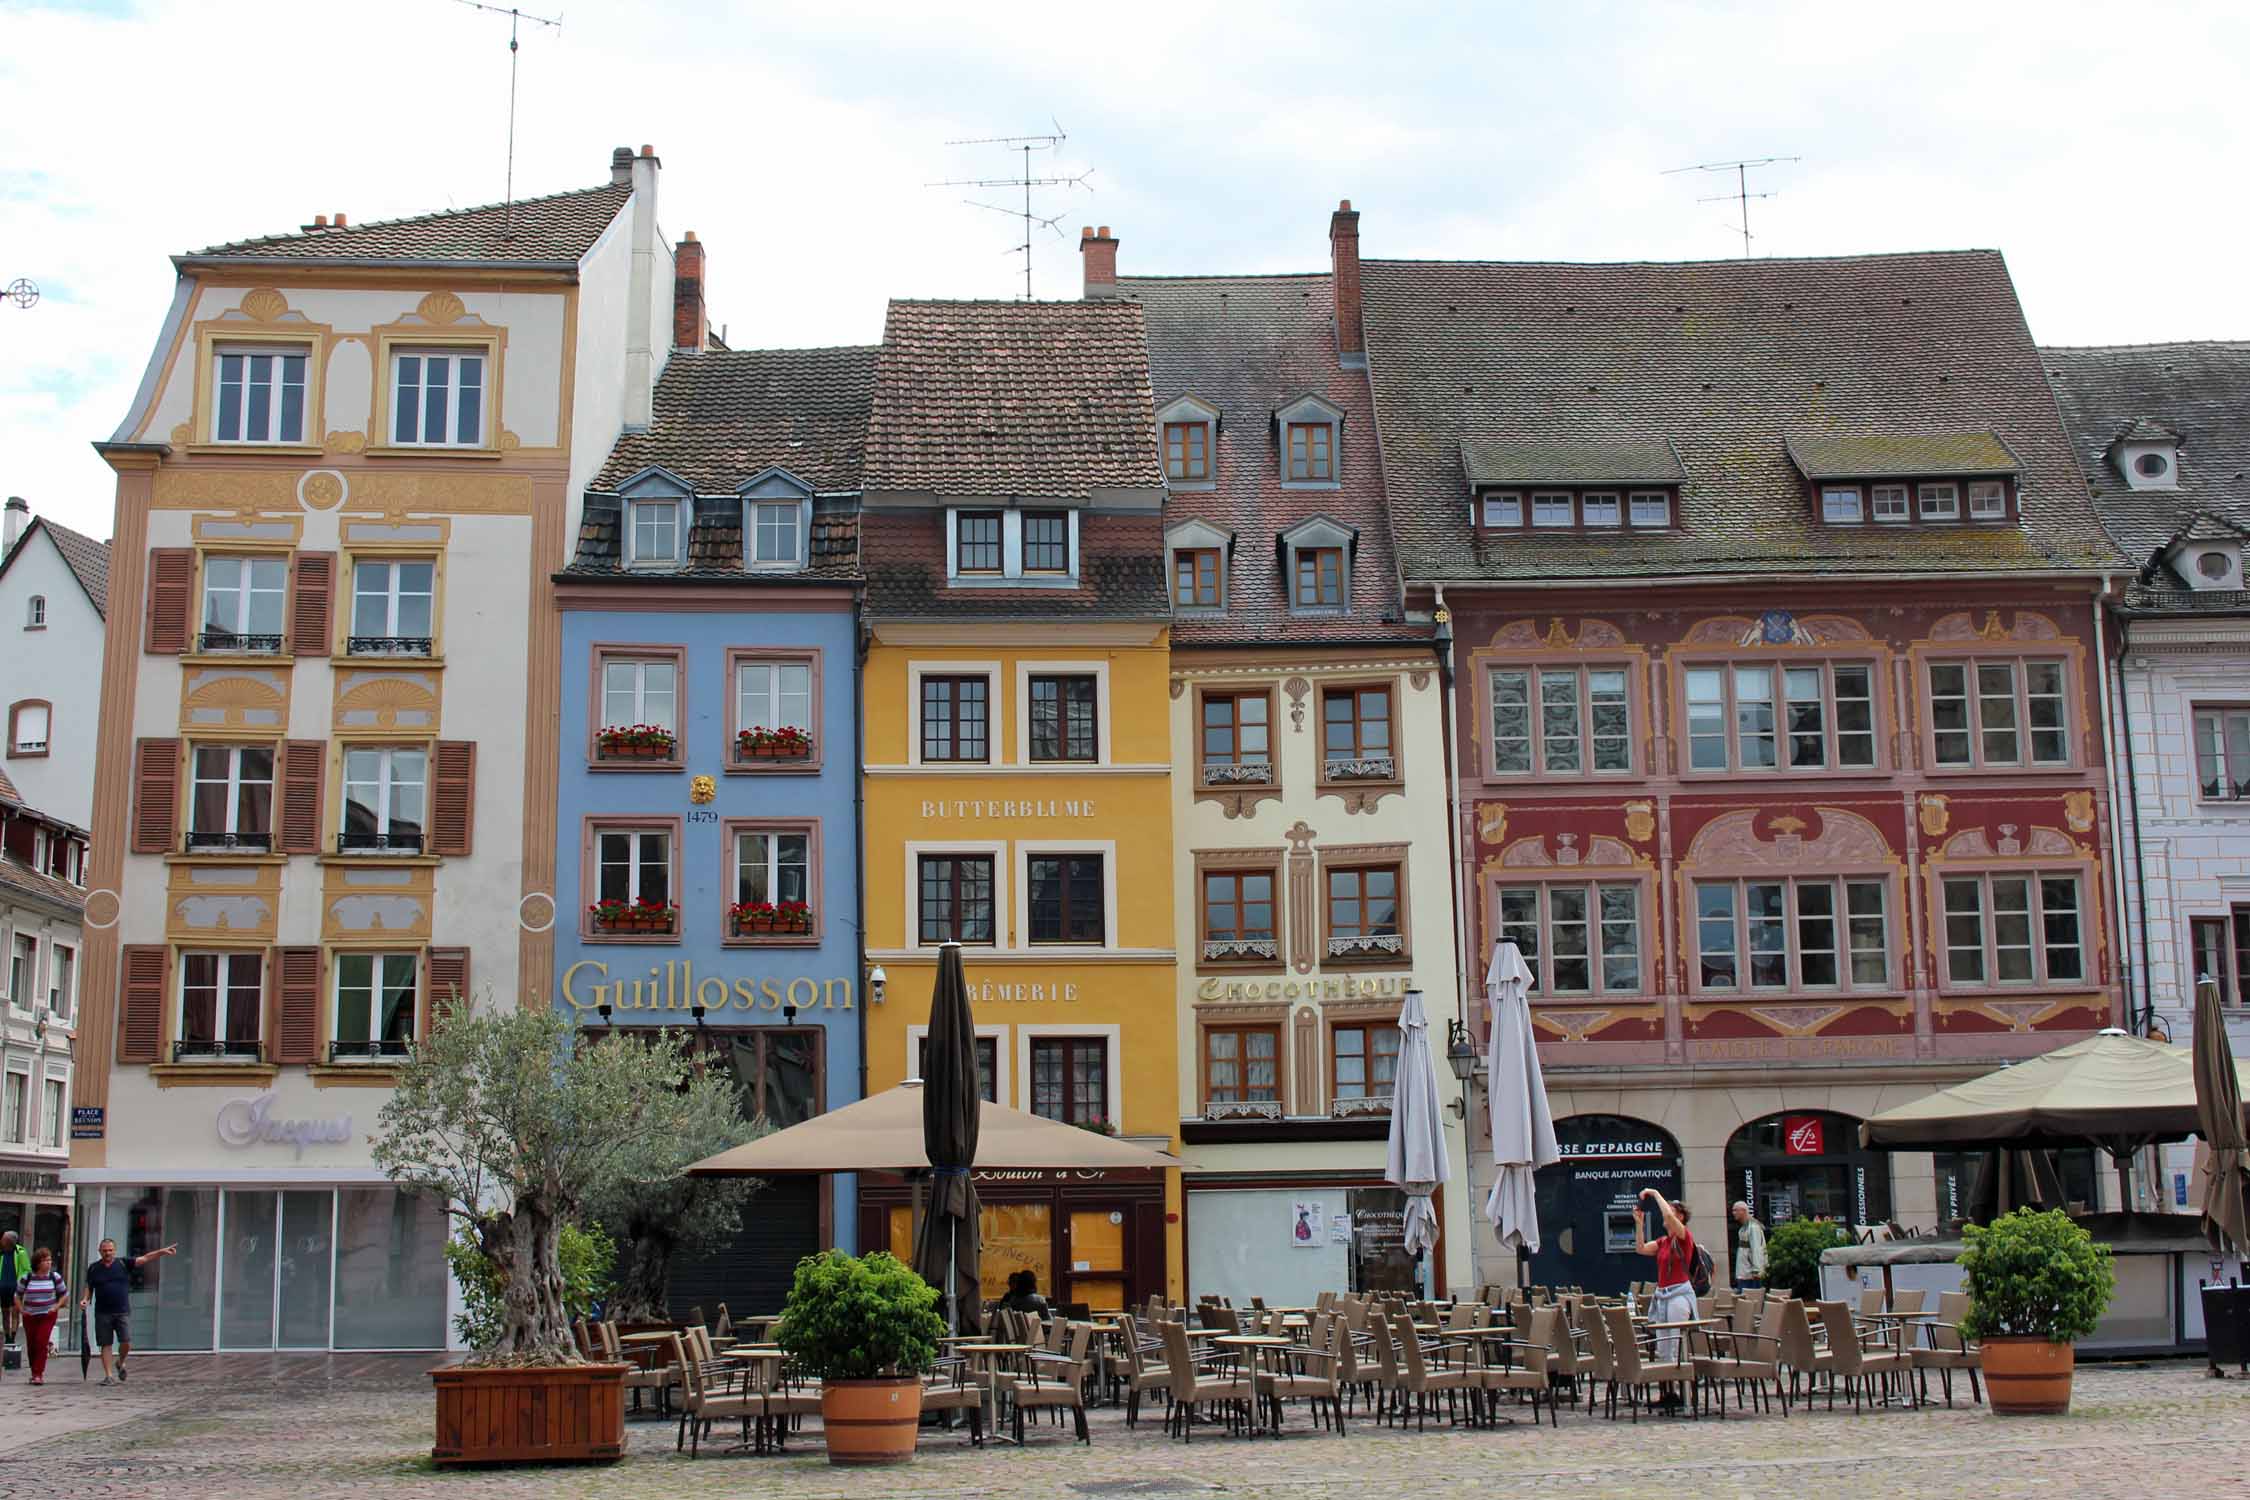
[[1023, 1294], [1674, 1255]]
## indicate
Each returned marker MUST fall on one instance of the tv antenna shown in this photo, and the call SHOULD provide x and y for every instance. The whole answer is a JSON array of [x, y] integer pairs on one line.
[[1741, 195], [515, 19], [1032, 222]]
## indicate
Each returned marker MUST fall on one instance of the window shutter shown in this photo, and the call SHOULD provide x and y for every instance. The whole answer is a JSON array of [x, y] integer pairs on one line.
[[171, 590], [301, 765], [140, 1016], [453, 801], [294, 979], [312, 581], [156, 795], [449, 977]]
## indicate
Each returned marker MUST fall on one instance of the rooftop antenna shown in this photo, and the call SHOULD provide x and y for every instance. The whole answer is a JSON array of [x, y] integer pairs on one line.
[[515, 19], [1024, 180], [1741, 195]]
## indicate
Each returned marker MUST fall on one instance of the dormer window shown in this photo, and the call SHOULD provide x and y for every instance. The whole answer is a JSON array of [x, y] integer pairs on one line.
[[1019, 547], [1940, 502], [1840, 505], [776, 522], [1309, 433], [1574, 510], [2207, 552], [2152, 465], [1897, 479], [1318, 557], [1600, 508], [2147, 454], [1197, 551], [1191, 429], [1889, 502], [773, 534], [653, 530], [1608, 485]]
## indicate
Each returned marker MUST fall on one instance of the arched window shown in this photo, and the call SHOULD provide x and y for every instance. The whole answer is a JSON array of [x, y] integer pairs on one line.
[[35, 614], [1587, 1201], [29, 725], [1808, 1164]]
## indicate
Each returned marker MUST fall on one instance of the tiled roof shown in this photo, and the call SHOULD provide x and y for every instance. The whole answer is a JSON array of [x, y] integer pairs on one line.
[[2197, 394], [1120, 571], [87, 559], [1885, 455], [722, 417], [714, 548], [991, 399], [22, 880], [562, 227], [1585, 461], [8, 792], [1726, 359], [1249, 344]]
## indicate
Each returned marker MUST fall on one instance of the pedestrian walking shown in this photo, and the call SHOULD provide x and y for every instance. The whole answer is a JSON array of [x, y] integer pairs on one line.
[[1674, 1254], [15, 1265], [1749, 1249], [109, 1288], [41, 1295]]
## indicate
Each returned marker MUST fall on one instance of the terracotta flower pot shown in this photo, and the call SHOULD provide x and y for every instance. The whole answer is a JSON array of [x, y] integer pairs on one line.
[[2028, 1376], [555, 1414], [871, 1421]]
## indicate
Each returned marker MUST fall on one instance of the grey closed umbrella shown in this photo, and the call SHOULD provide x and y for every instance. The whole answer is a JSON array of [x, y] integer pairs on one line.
[[2218, 1108], [947, 1247], [1417, 1161], [1523, 1130]]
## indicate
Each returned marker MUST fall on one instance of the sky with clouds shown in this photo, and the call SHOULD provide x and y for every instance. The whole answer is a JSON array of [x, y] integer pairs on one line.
[[2097, 146]]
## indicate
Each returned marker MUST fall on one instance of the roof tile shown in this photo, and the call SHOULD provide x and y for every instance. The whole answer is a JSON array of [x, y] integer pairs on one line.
[[560, 227]]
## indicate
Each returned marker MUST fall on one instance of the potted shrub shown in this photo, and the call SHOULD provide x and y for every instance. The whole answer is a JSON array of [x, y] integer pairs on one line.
[[867, 1326], [518, 1131], [2036, 1281], [635, 742], [760, 743], [766, 918], [1793, 1254], [645, 915]]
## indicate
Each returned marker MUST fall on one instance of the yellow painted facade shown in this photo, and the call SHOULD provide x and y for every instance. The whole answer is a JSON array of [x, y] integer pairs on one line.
[[1118, 806]]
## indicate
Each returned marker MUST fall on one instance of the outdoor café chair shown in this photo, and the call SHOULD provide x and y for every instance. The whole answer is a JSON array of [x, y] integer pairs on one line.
[[1143, 1374], [657, 1376], [1737, 1357], [1570, 1357], [1802, 1355], [949, 1388], [1420, 1382], [1527, 1364], [1634, 1373], [1948, 1349], [701, 1404], [1604, 1371], [1307, 1372], [1864, 1357], [1909, 1301], [1049, 1381], [1870, 1301], [1196, 1385]]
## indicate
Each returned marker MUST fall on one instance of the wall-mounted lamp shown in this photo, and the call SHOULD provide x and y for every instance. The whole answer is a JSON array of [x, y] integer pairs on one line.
[[697, 1012], [788, 1015], [1461, 1057], [603, 1010], [876, 979]]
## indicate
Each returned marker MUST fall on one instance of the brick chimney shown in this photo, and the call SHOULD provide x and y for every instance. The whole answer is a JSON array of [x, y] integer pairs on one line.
[[645, 291], [1097, 251], [19, 516], [1343, 252], [621, 166], [691, 327]]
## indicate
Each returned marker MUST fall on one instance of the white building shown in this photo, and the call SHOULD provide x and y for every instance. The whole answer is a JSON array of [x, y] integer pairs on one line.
[[54, 597], [2163, 432], [42, 900], [325, 791]]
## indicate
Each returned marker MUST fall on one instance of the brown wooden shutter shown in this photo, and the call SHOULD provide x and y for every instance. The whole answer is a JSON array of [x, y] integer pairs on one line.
[[140, 1012], [156, 795], [302, 762], [449, 978], [294, 982], [453, 798], [312, 582], [171, 598]]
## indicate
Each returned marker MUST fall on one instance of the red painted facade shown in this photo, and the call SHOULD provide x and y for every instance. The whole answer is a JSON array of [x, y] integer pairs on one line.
[[1650, 836]]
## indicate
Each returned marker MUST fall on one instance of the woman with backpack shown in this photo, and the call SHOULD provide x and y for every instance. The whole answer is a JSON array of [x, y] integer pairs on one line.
[[1678, 1260], [40, 1298]]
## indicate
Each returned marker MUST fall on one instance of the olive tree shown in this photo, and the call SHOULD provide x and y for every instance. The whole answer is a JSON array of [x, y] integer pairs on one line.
[[518, 1124]]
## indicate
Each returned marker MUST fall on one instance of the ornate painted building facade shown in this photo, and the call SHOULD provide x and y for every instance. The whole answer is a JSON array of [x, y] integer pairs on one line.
[[1017, 765], [323, 797], [1774, 595], [1311, 887]]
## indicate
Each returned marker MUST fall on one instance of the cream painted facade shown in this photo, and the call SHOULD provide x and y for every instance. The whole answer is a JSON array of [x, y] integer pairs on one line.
[[1314, 994], [409, 832]]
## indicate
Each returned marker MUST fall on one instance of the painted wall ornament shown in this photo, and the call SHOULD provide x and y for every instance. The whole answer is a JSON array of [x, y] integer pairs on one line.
[[703, 789], [1640, 821], [1936, 817], [2078, 811]]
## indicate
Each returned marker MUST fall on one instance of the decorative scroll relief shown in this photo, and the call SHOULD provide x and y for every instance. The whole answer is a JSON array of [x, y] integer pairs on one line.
[[1797, 1020], [231, 698], [2078, 812], [1935, 815], [382, 700], [262, 305], [1776, 627], [1640, 821], [1492, 821], [1981, 843], [1531, 853], [1573, 1024], [210, 903], [1524, 635], [2028, 625], [361, 902], [1844, 838]]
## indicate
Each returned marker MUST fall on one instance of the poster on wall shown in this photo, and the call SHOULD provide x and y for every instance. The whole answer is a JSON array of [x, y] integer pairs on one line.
[[1305, 1223], [1340, 1229]]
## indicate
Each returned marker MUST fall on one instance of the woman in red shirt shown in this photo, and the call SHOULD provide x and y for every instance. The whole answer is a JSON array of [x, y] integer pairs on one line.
[[1674, 1255]]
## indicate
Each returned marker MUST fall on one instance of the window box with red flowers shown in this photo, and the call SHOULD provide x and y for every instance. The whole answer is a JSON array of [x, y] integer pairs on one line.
[[647, 915], [770, 919], [636, 742], [760, 743], [1098, 1126]]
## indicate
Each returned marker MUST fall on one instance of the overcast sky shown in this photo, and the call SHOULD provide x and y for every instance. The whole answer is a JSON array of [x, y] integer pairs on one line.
[[2098, 146]]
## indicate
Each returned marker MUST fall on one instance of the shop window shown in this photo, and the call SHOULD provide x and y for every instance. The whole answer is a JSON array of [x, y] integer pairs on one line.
[[2014, 929], [1560, 721], [1778, 935], [1761, 716], [1999, 713], [1070, 1080], [1577, 938], [778, 1070]]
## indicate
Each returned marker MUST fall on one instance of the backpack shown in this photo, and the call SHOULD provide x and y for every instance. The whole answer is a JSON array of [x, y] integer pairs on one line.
[[1700, 1271]]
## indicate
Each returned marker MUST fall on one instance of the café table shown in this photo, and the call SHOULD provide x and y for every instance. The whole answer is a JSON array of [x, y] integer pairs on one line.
[[1256, 1345], [986, 1357]]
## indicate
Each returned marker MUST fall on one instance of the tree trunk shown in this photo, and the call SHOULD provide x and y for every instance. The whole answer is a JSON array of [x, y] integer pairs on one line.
[[537, 1330], [644, 1292]]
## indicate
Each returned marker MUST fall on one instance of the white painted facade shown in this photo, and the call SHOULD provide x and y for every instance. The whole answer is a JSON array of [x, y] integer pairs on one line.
[[41, 945], [50, 653]]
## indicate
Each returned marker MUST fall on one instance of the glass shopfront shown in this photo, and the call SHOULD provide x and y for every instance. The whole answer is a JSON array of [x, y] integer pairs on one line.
[[1092, 1238], [1587, 1201], [279, 1268], [1808, 1164]]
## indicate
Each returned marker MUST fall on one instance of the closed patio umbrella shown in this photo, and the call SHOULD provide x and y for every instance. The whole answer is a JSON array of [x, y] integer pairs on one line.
[[2218, 1107], [946, 1243], [1417, 1161], [1523, 1131]]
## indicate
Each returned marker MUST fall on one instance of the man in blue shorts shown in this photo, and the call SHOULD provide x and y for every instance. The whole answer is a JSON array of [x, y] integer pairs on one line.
[[109, 1288]]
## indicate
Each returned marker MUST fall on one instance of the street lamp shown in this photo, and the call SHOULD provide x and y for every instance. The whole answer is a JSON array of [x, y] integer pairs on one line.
[[1461, 1056]]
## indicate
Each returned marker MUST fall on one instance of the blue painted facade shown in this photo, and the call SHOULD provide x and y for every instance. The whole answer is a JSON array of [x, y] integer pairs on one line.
[[747, 983]]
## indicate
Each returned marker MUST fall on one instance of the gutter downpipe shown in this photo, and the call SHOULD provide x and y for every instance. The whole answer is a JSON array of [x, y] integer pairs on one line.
[[2140, 854], [2117, 842], [859, 845], [1447, 684]]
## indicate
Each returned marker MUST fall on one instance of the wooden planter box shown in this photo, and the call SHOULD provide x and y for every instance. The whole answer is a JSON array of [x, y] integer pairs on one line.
[[633, 924], [554, 1414], [771, 752], [773, 926], [637, 752]]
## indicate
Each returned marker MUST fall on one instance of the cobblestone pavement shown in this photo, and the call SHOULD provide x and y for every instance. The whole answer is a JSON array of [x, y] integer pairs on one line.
[[257, 1428]]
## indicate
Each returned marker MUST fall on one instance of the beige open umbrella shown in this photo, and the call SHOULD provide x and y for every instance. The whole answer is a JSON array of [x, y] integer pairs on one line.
[[2218, 1096], [883, 1133]]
